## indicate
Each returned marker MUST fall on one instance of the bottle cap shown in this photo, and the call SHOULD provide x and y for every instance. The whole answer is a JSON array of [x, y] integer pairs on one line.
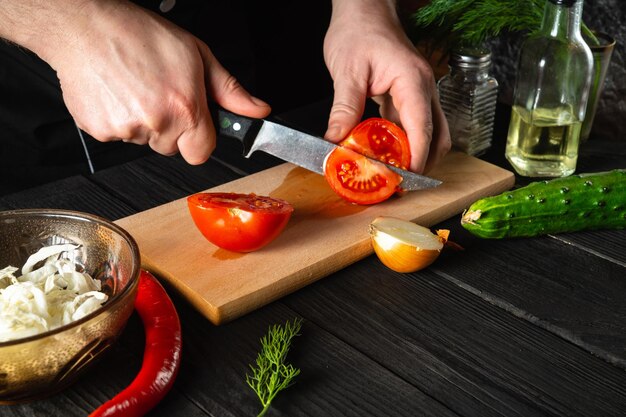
[[467, 57]]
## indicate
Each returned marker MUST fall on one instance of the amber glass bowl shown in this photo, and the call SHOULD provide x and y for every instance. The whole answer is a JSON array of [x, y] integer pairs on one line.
[[41, 365]]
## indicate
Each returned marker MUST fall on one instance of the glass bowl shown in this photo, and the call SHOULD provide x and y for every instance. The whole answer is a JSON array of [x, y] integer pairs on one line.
[[38, 366]]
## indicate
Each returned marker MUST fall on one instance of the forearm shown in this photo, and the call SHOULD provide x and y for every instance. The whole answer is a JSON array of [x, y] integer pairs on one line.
[[41, 25]]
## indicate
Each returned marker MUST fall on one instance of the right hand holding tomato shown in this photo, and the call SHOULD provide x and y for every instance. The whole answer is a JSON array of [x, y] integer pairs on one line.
[[369, 55]]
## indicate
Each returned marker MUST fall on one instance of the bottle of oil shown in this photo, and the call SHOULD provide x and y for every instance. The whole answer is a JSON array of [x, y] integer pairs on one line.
[[551, 91]]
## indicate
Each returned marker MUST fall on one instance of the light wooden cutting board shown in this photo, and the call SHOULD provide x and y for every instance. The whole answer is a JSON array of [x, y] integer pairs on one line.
[[324, 234]]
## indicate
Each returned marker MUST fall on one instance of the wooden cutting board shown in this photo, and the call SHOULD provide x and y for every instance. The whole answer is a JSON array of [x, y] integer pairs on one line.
[[324, 234]]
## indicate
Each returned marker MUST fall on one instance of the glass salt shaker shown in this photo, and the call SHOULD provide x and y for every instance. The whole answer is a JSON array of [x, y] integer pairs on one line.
[[468, 95]]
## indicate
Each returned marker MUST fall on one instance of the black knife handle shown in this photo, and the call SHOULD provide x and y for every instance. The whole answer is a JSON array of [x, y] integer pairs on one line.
[[235, 126]]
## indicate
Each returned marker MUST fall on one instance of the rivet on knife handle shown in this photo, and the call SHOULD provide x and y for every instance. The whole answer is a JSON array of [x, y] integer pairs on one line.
[[232, 125]]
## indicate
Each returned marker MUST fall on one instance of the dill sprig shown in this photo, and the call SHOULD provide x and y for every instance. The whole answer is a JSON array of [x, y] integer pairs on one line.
[[451, 23], [271, 375]]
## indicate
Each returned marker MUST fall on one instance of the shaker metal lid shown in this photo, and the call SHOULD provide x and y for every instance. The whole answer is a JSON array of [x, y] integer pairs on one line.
[[475, 57]]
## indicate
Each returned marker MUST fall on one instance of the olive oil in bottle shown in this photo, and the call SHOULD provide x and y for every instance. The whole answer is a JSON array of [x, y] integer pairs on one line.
[[543, 142], [550, 97]]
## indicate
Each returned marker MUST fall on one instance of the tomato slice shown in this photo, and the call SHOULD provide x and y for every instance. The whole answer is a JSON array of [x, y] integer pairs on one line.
[[239, 222], [354, 177], [357, 179], [382, 140]]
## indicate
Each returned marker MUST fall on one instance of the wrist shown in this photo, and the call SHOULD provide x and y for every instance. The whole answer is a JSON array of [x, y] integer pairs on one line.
[[365, 10]]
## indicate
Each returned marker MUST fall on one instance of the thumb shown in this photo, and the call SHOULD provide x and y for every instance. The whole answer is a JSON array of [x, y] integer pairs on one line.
[[224, 88], [347, 109]]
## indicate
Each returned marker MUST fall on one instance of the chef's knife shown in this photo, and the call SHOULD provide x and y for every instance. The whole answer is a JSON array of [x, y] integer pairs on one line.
[[294, 146]]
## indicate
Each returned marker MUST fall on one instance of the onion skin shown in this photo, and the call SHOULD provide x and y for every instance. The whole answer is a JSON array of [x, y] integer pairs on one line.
[[404, 246], [405, 258]]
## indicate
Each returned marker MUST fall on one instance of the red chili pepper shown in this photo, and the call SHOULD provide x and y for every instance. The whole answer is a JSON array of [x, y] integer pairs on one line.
[[161, 358]]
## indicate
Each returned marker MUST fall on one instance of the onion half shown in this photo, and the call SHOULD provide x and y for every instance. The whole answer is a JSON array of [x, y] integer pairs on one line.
[[404, 246]]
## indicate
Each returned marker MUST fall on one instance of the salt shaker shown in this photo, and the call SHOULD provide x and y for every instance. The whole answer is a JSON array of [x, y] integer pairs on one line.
[[468, 95]]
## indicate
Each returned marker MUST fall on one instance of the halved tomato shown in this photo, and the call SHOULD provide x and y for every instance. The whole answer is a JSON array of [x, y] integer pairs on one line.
[[239, 222], [382, 140], [357, 179]]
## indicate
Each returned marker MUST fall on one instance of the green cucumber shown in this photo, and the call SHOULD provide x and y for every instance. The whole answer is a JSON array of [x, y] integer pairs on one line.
[[568, 204]]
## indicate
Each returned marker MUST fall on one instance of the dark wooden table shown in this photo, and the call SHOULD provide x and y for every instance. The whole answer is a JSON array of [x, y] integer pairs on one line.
[[526, 327]]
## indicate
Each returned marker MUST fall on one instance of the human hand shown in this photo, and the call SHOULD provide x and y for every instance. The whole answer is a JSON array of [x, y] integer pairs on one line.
[[369, 55], [128, 74]]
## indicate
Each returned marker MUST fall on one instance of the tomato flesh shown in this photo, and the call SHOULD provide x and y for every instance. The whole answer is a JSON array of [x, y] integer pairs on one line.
[[359, 180], [382, 140], [239, 222]]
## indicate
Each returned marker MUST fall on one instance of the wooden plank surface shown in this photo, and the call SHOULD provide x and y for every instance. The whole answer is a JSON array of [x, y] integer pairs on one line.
[[459, 348], [324, 235]]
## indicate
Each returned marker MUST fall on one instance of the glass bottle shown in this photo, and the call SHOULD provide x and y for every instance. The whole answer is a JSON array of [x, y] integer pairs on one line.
[[550, 95], [468, 96]]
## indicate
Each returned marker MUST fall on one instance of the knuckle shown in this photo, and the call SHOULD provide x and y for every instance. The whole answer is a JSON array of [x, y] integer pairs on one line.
[[230, 85], [100, 132], [186, 109], [423, 70], [343, 109], [429, 127], [427, 71]]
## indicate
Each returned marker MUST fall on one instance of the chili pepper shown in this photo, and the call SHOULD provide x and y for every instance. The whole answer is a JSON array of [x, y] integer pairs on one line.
[[161, 358]]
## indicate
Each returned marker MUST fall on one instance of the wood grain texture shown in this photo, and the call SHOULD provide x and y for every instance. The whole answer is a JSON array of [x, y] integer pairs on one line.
[[462, 350], [73, 193], [324, 235], [335, 380], [155, 180], [581, 282]]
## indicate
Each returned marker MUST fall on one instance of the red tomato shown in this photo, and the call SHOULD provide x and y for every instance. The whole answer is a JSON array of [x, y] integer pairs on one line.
[[353, 176], [239, 222], [382, 140]]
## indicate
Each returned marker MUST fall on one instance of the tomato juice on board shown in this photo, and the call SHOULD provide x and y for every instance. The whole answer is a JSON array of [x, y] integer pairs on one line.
[[311, 196]]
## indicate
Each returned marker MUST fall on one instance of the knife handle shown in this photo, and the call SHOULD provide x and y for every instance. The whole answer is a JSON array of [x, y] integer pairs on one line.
[[235, 126]]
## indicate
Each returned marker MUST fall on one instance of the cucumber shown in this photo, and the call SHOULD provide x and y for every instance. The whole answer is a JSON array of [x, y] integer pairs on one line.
[[568, 204]]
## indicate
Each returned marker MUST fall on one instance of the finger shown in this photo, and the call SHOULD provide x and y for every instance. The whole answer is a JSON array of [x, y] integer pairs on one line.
[[441, 142], [347, 109], [194, 140], [413, 103], [226, 90], [386, 108], [189, 128], [196, 145]]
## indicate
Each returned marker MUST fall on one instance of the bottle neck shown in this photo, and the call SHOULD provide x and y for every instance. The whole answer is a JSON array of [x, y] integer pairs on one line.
[[561, 19]]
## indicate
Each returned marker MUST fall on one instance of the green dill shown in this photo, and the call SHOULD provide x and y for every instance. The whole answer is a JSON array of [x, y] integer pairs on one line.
[[450, 23], [271, 374]]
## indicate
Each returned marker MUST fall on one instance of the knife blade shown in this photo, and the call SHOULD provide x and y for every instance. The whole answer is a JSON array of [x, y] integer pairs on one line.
[[295, 146]]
